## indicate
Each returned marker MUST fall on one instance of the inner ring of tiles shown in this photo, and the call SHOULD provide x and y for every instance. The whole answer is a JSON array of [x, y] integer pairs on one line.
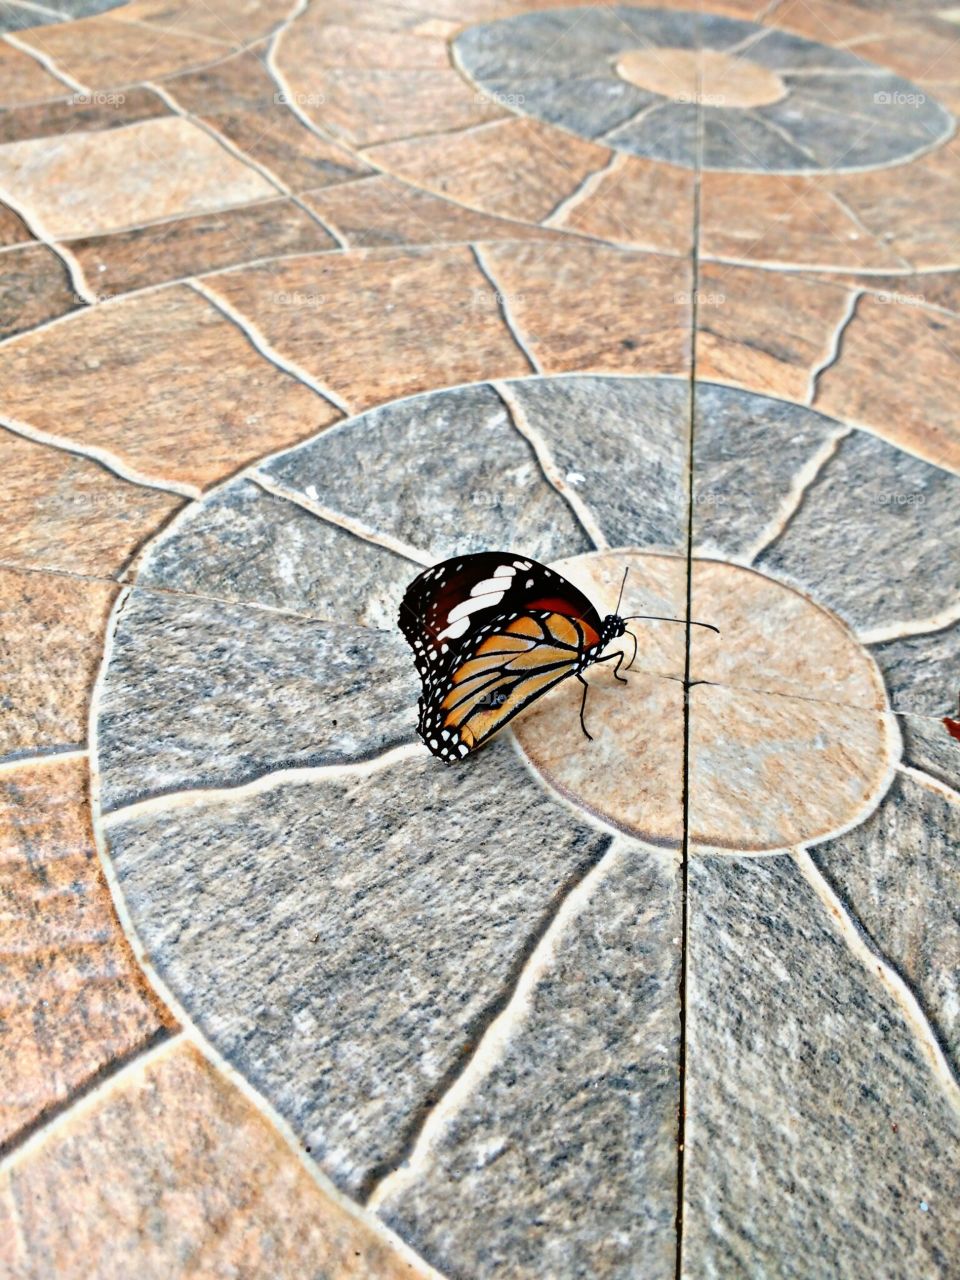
[[638, 79]]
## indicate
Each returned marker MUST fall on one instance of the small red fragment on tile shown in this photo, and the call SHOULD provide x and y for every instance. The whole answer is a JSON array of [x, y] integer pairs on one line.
[[953, 727]]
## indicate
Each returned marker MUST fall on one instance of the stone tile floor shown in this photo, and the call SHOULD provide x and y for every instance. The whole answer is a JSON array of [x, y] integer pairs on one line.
[[297, 299]]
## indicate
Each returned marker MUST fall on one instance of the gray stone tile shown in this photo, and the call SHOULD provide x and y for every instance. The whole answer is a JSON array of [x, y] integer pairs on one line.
[[586, 105], [561, 1161], [445, 472], [749, 449], [783, 52], [900, 872], [876, 538], [592, 426], [818, 1142], [205, 694], [668, 132], [15, 17], [735, 139], [344, 942], [243, 544], [579, 41]]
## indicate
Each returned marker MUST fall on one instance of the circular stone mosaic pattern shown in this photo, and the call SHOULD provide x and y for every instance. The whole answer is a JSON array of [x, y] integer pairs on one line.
[[637, 79]]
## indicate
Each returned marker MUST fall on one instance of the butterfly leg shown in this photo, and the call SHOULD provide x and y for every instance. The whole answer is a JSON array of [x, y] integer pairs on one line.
[[583, 704], [619, 657]]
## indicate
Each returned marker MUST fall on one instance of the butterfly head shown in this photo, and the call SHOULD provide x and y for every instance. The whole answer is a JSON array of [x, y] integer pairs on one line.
[[612, 627]]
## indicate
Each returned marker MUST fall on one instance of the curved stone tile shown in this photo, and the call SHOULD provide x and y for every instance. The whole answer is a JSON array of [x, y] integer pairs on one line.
[[35, 287], [876, 538], [170, 1169], [590, 425], [202, 693], [817, 1140], [74, 1001], [784, 52], [344, 941], [591, 106], [561, 1159], [900, 873], [446, 473], [248, 546]]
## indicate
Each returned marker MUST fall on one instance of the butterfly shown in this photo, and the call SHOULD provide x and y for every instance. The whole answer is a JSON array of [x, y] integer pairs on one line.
[[491, 633]]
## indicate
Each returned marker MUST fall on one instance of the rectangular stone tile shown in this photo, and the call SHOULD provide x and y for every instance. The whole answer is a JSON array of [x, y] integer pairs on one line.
[[23, 79], [516, 168], [378, 324], [35, 286], [638, 202], [171, 1162], [241, 100], [190, 246], [74, 1000], [168, 167], [82, 113], [883, 343], [595, 307], [51, 643], [163, 381], [65, 512]]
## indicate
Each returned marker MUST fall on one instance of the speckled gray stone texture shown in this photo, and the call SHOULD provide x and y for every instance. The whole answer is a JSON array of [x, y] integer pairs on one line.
[[204, 694], [876, 538], [562, 1162], [583, 104], [621, 445], [900, 871], [344, 942], [246, 545], [446, 473], [748, 450], [818, 1142]]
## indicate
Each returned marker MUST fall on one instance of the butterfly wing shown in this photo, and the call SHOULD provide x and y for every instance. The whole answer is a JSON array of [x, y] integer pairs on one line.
[[490, 633]]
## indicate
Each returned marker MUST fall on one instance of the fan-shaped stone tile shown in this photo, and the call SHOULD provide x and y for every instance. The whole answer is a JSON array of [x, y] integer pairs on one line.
[[393, 912], [816, 1135], [876, 538], [203, 693], [504, 1189], [446, 472]]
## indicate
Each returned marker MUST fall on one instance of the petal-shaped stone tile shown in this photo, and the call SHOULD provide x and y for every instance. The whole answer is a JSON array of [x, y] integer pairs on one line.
[[74, 1000], [23, 79], [443, 473], [163, 381], [204, 693], [502, 1188], [159, 169], [817, 1140], [173, 1166], [867, 385], [35, 287], [67, 512], [900, 871], [189, 246], [876, 537], [51, 630], [395, 911], [378, 324]]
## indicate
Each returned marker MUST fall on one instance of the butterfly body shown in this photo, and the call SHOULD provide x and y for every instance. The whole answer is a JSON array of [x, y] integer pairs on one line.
[[491, 633]]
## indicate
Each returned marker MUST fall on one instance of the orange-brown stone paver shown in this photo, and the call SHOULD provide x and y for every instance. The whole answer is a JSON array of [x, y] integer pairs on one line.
[[35, 286], [635, 202], [80, 114], [172, 1162], [74, 1000], [22, 79], [227, 22]]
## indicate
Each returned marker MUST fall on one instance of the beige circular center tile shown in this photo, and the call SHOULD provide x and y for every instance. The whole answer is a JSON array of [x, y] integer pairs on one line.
[[691, 75], [773, 761]]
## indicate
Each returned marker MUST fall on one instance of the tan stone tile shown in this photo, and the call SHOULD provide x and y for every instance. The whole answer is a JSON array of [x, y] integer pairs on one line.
[[34, 286], [897, 374], [380, 210], [240, 99], [51, 642], [379, 324], [765, 330], [640, 203], [828, 23], [517, 168], [914, 53], [13, 229], [336, 45], [65, 512], [232, 22], [190, 246], [165, 382], [915, 207], [22, 79], [103, 53], [173, 1169], [364, 107], [74, 1000], [919, 288], [784, 221], [86, 115], [593, 307], [90, 183]]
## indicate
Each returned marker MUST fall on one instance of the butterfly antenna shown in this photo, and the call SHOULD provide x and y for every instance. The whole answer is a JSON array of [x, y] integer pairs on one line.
[[654, 617], [623, 583]]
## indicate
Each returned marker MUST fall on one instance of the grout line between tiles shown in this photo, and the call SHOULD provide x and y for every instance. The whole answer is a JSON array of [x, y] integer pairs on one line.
[[833, 353], [47, 63], [78, 281], [40, 759], [502, 301], [930, 782], [557, 216], [914, 627]]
